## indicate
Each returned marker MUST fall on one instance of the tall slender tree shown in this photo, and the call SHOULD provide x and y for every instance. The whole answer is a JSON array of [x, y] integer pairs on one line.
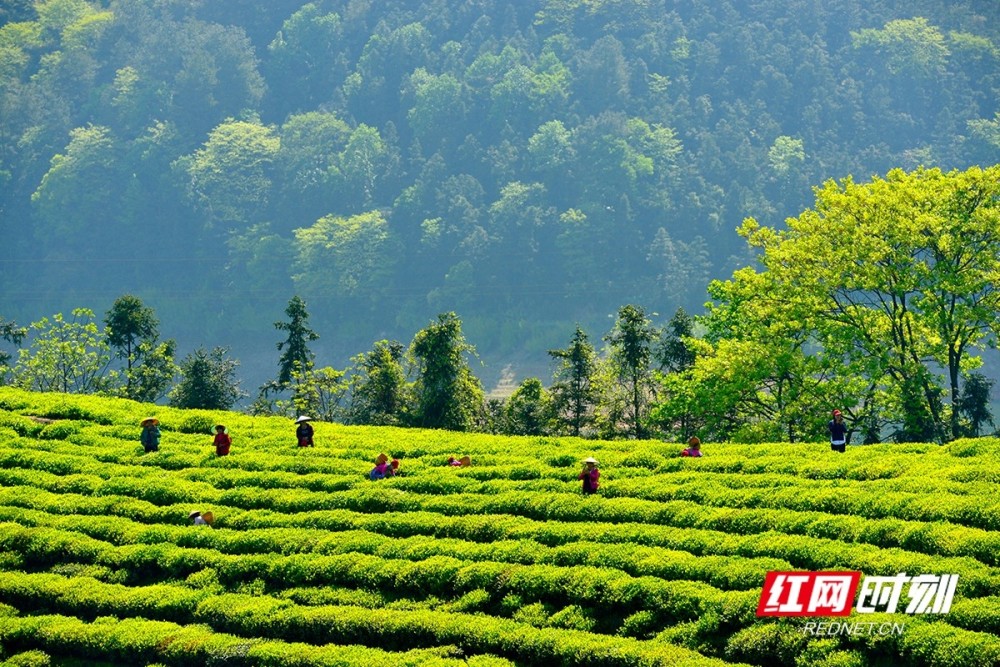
[[12, 333], [295, 348], [631, 342], [673, 353], [573, 393]]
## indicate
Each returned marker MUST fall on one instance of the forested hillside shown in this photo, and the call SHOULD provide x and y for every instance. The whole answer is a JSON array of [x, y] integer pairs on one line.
[[528, 165]]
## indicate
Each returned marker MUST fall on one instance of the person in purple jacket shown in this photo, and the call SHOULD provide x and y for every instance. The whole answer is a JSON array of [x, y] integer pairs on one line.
[[693, 448], [590, 474]]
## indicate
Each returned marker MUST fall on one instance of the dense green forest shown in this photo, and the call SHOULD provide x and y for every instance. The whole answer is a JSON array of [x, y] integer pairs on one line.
[[531, 166]]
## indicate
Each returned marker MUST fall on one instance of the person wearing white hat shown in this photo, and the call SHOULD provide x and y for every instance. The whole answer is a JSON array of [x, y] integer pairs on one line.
[[150, 437], [304, 432], [196, 517], [590, 474]]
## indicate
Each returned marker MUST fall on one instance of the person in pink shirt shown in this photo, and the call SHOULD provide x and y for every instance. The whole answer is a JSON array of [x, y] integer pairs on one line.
[[694, 447], [590, 474], [384, 468]]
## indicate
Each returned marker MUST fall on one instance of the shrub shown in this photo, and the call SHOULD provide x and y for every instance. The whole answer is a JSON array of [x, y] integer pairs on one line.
[[197, 423], [28, 659], [60, 430]]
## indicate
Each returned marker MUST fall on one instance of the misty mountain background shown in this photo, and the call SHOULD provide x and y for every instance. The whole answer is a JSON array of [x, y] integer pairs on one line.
[[530, 166]]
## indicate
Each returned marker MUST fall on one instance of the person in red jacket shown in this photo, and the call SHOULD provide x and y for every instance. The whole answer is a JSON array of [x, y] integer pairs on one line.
[[222, 441], [590, 474]]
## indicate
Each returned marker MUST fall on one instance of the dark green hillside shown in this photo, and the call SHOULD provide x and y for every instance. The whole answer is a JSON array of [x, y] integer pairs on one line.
[[528, 165], [503, 563]]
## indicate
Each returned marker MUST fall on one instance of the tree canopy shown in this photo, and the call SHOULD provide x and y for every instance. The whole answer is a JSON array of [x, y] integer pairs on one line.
[[538, 162], [861, 302]]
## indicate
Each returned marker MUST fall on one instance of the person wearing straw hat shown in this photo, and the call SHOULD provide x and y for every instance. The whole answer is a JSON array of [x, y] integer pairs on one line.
[[383, 467], [590, 474], [222, 440], [693, 448], [197, 518], [150, 437], [304, 431]]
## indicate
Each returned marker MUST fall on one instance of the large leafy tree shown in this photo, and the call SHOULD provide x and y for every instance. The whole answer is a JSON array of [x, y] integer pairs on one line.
[[887, 281], [362, 161], [128, 323], [14, 334], [229, 179], [194, 72], [208, 380], [308, 166], [133, 331], [151, 379], [70, 356], [304, 60], [447, 394], [379, 385], [527, 410], [320, 393], [351, 257], [82, 180]]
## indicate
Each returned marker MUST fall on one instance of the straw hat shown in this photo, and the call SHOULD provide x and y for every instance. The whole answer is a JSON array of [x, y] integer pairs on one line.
[[382, 458], [147, 420], [208, 517], [590, 459], [193, 514], [303, 418], [218, 426]]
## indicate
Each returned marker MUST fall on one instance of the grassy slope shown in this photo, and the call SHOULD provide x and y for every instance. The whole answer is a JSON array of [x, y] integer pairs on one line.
[[501, 563]]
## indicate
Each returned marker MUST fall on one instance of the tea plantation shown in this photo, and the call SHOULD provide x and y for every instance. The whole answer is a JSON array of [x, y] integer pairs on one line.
[[503, 563]]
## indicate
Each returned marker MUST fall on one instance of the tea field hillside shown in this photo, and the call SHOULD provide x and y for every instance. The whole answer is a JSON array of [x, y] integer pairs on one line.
[[503, 563]]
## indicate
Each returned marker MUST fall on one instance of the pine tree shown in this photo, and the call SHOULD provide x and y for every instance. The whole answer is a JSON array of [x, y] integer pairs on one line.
[[573, 393], [295, 346]]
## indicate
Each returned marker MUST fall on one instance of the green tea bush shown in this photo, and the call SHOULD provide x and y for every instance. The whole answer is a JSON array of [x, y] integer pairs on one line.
[[767, 644], [198, 423], [504, 561], [60, 430], [28, 659], [942, 644]]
